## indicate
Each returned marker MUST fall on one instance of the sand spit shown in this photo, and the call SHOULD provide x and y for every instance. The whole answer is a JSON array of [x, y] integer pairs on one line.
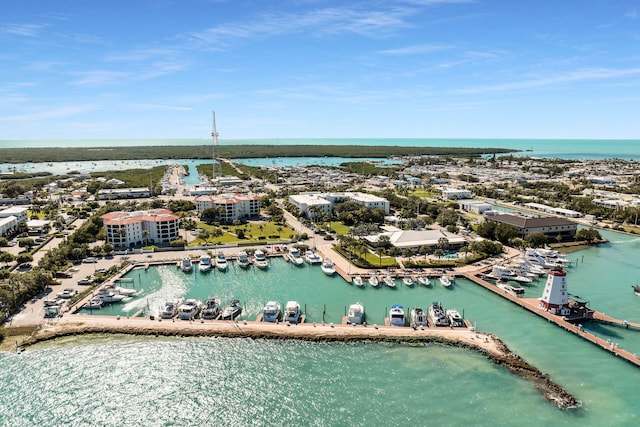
[[483, 343]]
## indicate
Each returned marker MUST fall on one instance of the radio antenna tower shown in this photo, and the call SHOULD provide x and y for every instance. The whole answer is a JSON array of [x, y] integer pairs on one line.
[[214, 135]]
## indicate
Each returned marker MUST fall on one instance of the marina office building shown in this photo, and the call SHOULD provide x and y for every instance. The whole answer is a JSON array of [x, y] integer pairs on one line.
[[551, 227]]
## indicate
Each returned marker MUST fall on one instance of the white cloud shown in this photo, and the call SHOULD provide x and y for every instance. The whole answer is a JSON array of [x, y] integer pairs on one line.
[[25, 30], [98, 77], [416, 49], [53, 113], [574, 76]]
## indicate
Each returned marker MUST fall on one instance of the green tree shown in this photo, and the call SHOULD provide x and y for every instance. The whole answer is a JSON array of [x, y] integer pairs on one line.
[[536, 239]]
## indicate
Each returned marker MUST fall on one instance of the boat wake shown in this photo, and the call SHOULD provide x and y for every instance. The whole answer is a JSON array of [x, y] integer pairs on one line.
[[172, 287]]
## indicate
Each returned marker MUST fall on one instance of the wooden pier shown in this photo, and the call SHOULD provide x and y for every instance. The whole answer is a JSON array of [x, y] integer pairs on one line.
[[532, 304]]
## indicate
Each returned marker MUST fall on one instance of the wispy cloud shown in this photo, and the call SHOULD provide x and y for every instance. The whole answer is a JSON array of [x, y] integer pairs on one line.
[[159, 107], [570, 77], [348, 19], [53, 113], [416, 49], [24, 30], [98, 77]]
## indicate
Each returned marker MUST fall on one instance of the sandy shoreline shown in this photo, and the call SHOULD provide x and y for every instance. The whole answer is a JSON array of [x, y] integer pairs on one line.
[[486, 344]]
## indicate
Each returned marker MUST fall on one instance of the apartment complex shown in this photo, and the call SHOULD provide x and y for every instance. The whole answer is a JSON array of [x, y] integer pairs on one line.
[[231, 206], [128, 229]]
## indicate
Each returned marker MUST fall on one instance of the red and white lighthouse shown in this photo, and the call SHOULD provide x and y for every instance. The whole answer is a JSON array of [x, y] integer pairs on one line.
[[555, 298]]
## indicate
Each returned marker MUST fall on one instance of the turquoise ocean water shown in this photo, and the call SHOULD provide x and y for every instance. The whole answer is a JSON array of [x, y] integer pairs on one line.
[[187, 381]]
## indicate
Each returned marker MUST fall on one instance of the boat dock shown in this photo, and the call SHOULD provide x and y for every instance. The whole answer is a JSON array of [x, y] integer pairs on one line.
[[567, 323]]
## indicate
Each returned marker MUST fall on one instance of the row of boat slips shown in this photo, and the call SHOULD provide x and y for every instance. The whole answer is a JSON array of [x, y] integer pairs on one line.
[[374, 280], [259, 259]]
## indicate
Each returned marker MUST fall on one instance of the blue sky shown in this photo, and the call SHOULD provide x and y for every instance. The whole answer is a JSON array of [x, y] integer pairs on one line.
[[320, 69]]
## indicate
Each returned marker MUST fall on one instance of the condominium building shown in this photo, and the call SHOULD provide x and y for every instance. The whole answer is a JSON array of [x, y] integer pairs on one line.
[[231, 206], [128, 229]]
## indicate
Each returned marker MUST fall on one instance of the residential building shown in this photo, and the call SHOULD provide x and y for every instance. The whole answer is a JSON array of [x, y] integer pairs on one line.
[[231, 206], [123, 193], [311, 204], [128, 229]]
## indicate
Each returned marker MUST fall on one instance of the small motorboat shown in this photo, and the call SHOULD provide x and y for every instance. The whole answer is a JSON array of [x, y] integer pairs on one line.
[[373, 280], [356, 314], [358, 281], [408, 281], [292, 313], [424, 281], [388, 280], [418, 318], [231, 311], [396, 315], [327, 267]]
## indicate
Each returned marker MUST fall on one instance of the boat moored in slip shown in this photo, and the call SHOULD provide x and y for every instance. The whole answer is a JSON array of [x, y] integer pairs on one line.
[[186, 265], [271, 312], [500, 272], [396, 315], [454, 318], [204, 264], [358, 281], [311, 257], [327, 267], [233, 310], [355, 315], [189, 310], [424, 280], [243, 259], [294, 256], [260, 259], [170, 308], [388, 280], [408, 281], [437, 314], [373, 280], [446, 281], [418, 318], [516, 291], [94, 303], [292, 313], [221, 262], [211, 308]]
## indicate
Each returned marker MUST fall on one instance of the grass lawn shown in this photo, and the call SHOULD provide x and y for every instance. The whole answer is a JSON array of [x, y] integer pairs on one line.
[[339, 228], [253, 232], [423, 193]]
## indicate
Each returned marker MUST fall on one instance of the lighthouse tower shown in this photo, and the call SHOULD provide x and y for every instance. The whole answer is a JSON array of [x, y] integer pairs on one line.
[[555, 298]]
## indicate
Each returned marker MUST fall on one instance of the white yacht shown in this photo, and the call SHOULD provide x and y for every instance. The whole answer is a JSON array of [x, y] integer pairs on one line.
[[243, 259], [260, 259], [437, 314], [312, 257], [186, 265], [189, 310], [271, 312], [396, 315], [408, 281], [292, 312], [516, 291], [231, 311], [221, 262], [454, 318], [170, 308], [356, 314], [211, 308], [388, 280], [109, 296], [446, 281], [295, 257], [418, 318], [358, 281], [123, 291], [205, 263], [535, 258], [327, 267], [373, 280], [94, 303], [500, 272], [424, 280]]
